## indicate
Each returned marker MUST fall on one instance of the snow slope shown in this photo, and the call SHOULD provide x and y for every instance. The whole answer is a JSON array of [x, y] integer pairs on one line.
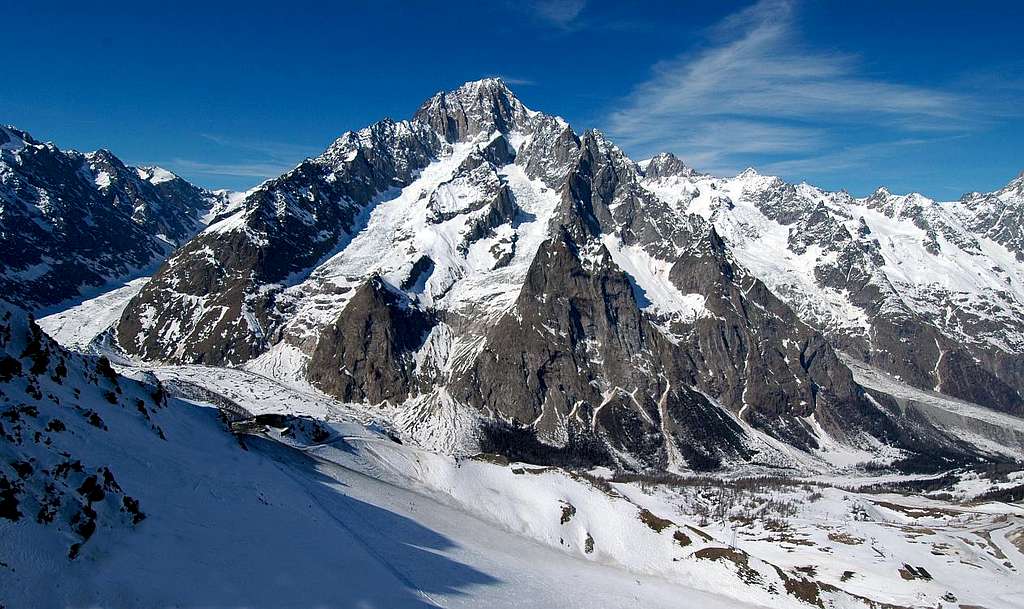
[[78, 327], [269, 527], [783, 528], [322, 507]]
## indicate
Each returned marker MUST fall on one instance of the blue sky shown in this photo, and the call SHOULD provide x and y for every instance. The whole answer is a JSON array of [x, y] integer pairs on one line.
[[916, 95]]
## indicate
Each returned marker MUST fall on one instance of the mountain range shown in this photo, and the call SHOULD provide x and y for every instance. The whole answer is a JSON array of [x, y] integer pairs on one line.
[[502, 283]]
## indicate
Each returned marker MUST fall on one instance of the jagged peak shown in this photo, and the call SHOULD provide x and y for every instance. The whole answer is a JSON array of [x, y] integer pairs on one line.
[[910, 205], [749, 172], [595, 145], [104, 155], [663, 157], [155, 174], [384, 130], [596, 139], [491, 84], [1012, 192], [1015, 186], [882, 194], [476, 89], [666, 165]]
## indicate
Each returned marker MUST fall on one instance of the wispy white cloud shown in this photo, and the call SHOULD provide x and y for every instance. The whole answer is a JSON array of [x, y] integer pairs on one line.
[[754, 90], [241, 169], [847, 157], [251, 158], [560, 13], [516, 82], [248, 158], [264, 148]]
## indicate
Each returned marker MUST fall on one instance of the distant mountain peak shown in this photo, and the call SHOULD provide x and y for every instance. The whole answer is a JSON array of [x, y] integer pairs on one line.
[[665, 165], [492, 83], [155, 174], [882, 195], [75, 220], [1016, 185]]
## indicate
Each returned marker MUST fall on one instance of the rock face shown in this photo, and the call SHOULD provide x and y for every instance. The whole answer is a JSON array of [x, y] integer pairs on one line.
[[667, 165], [505, 284], [70, 220], [578, 370], [367, 355], [578, 365], [479, 107]]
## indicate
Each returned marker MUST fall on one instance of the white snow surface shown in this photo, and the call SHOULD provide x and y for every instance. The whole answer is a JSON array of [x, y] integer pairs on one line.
[[279, 522], [78, 327], [155, 175], [274, 527], [651, 279]]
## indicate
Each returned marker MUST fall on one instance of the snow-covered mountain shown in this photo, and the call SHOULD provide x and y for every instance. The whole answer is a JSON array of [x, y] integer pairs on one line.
[[498, 282], [932, 292], [71, 222], [476, 357]]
